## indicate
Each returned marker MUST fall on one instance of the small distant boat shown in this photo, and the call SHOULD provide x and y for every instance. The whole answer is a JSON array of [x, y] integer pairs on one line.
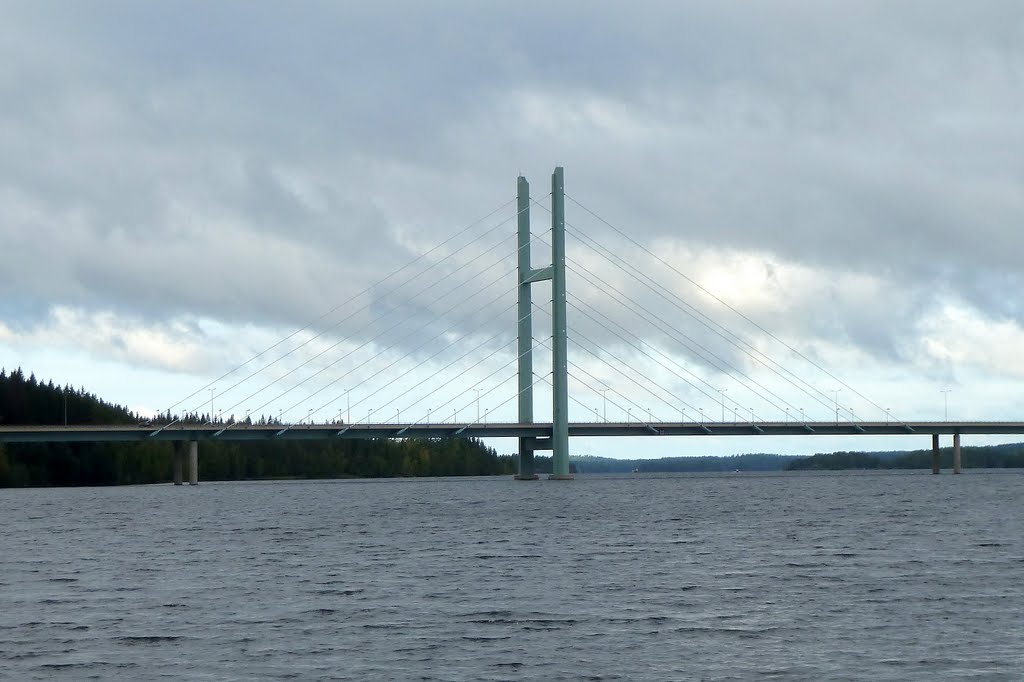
[[636, 471]]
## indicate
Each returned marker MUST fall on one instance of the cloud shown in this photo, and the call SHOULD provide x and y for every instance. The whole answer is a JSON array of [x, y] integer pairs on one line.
[[175, 346], [846, 176]]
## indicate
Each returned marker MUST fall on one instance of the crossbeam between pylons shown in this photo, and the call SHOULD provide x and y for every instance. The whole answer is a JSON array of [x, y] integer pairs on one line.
[[528, 275]]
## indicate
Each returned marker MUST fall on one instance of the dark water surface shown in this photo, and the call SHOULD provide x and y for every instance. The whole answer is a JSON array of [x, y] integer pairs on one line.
[[882, 576]]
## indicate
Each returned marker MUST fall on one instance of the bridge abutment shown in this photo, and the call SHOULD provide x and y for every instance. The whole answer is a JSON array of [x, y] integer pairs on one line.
[[193, 462], [936, 466]]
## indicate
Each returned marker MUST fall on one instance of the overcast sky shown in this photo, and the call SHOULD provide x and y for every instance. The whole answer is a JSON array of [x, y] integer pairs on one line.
[[183, 184]]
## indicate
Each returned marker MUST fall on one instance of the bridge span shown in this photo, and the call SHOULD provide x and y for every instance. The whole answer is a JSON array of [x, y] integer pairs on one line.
[[537, 435], [540, 431]]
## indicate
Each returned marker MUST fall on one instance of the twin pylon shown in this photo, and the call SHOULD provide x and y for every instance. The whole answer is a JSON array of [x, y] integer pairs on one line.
[[528, 275]]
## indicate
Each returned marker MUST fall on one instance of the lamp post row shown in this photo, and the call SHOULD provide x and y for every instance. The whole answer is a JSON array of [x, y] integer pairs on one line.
[[604, 413]]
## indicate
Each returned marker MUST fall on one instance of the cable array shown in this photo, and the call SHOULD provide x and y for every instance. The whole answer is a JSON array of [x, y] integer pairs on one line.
[[622, 346], [465, 277], [632, 336], [724, 304]]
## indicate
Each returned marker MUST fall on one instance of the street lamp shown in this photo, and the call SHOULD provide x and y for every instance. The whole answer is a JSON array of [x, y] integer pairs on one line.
[[212, 391], [604, 394], [478, 404], [721, 392], [348, 407], [945, 404], [887, 417], [837, 391]]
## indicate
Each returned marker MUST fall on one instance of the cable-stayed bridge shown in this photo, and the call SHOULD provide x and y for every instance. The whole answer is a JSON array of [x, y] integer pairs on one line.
[[420, 343]]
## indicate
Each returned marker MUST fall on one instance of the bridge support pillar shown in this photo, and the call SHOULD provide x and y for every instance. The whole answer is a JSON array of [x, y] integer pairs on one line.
[[559, 440], [193, 462], [527, 472], [956, 453], [179, 461], [935, 454], [559, 334]]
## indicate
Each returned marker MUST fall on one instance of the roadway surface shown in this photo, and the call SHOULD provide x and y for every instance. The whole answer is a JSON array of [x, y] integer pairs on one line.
[[240, 432]]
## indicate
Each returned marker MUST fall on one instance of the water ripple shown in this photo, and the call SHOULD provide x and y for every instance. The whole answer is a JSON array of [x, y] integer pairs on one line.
[[805, 577]]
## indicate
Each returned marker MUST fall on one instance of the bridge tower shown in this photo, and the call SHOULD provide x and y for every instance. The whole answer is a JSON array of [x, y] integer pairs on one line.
[[528, 275]]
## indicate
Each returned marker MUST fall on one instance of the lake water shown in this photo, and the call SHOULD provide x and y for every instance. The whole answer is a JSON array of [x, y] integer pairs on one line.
[[881, 576]]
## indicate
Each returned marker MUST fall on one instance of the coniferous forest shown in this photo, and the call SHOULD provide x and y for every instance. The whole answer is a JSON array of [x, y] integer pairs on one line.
[[28, 401], [1009, 456]]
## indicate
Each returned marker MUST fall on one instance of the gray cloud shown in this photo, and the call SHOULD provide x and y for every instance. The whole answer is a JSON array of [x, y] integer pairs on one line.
[[252, 163]]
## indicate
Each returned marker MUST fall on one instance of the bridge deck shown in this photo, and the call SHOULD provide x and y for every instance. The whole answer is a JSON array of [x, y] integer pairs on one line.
[[239, 432]]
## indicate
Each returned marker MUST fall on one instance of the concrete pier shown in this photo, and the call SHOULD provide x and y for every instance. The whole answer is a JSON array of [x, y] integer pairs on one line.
[[956, 453], [936, 466], [527, 472], [179, 461], [193, 462]]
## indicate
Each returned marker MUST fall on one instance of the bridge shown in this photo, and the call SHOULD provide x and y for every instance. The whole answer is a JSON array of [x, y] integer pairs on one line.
[[549, 435], [540, 432]]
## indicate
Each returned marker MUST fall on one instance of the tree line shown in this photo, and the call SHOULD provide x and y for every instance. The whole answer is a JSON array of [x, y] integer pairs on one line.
[[28, 401], [746, 462], [972, 457]]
